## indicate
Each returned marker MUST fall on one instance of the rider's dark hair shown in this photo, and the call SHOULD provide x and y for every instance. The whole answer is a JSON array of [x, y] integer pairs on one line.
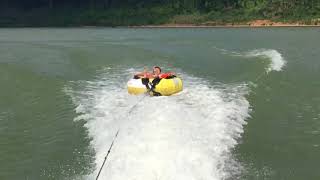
[[157, 67]]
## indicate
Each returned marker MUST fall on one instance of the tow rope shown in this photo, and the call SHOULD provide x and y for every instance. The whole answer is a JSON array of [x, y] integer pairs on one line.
[[105, 158], [115, 137]]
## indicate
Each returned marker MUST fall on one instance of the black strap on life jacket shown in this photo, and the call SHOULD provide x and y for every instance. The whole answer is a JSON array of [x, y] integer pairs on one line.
[[171, 77], [151, 85]]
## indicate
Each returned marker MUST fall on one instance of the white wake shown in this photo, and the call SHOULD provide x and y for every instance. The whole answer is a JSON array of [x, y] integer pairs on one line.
[[277, 61], [189, 136]]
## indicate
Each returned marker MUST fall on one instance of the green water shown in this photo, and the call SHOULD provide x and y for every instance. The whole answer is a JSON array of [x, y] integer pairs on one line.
[[39, 138]]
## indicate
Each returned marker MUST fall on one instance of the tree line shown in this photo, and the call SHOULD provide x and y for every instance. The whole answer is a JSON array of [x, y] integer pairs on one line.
[[201, 5], [136, 12]]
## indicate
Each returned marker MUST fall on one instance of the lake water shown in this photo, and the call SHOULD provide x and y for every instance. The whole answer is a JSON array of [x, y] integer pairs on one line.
[[250, 108]]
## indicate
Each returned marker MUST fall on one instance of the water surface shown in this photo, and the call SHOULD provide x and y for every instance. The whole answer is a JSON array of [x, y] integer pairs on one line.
[[250, 108]]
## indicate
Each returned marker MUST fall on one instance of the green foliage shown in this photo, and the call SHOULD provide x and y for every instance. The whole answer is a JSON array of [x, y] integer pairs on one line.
[[143, 12], [195, 18]]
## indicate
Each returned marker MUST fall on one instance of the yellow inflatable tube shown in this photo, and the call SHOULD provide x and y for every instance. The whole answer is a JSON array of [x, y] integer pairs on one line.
[[166, 87]]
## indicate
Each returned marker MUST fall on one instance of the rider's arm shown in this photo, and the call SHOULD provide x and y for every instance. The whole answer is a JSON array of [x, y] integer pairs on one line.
[[144, 75]]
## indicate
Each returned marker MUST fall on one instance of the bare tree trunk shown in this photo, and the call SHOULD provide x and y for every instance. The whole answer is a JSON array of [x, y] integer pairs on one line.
[[50, 4], [106, 4], [5, 4], [92, 4]]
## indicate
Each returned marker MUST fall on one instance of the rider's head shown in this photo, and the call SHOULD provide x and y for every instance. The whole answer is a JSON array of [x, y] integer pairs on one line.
[[156, 70]]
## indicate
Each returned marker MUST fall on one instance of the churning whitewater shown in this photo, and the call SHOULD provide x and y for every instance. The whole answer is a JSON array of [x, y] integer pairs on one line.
[[188, 136], [275, 57], [277, 62]]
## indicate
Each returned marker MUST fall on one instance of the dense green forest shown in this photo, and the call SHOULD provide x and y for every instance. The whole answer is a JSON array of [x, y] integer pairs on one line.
[[143, 12]]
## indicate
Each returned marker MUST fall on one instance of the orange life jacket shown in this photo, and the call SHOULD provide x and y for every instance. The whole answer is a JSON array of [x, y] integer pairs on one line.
[[165, 75]]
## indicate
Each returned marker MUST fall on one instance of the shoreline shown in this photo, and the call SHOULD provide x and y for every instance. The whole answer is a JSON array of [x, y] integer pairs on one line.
[[170, 26], [208, 24], [251, 24], [213, 26]]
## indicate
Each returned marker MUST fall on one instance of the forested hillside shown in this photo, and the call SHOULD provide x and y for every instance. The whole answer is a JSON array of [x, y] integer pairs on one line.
[[142, 12]]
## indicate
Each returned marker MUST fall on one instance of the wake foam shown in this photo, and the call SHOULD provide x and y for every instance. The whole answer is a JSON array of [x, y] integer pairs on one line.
[[277, 61], [275, 57], [188, 136]]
